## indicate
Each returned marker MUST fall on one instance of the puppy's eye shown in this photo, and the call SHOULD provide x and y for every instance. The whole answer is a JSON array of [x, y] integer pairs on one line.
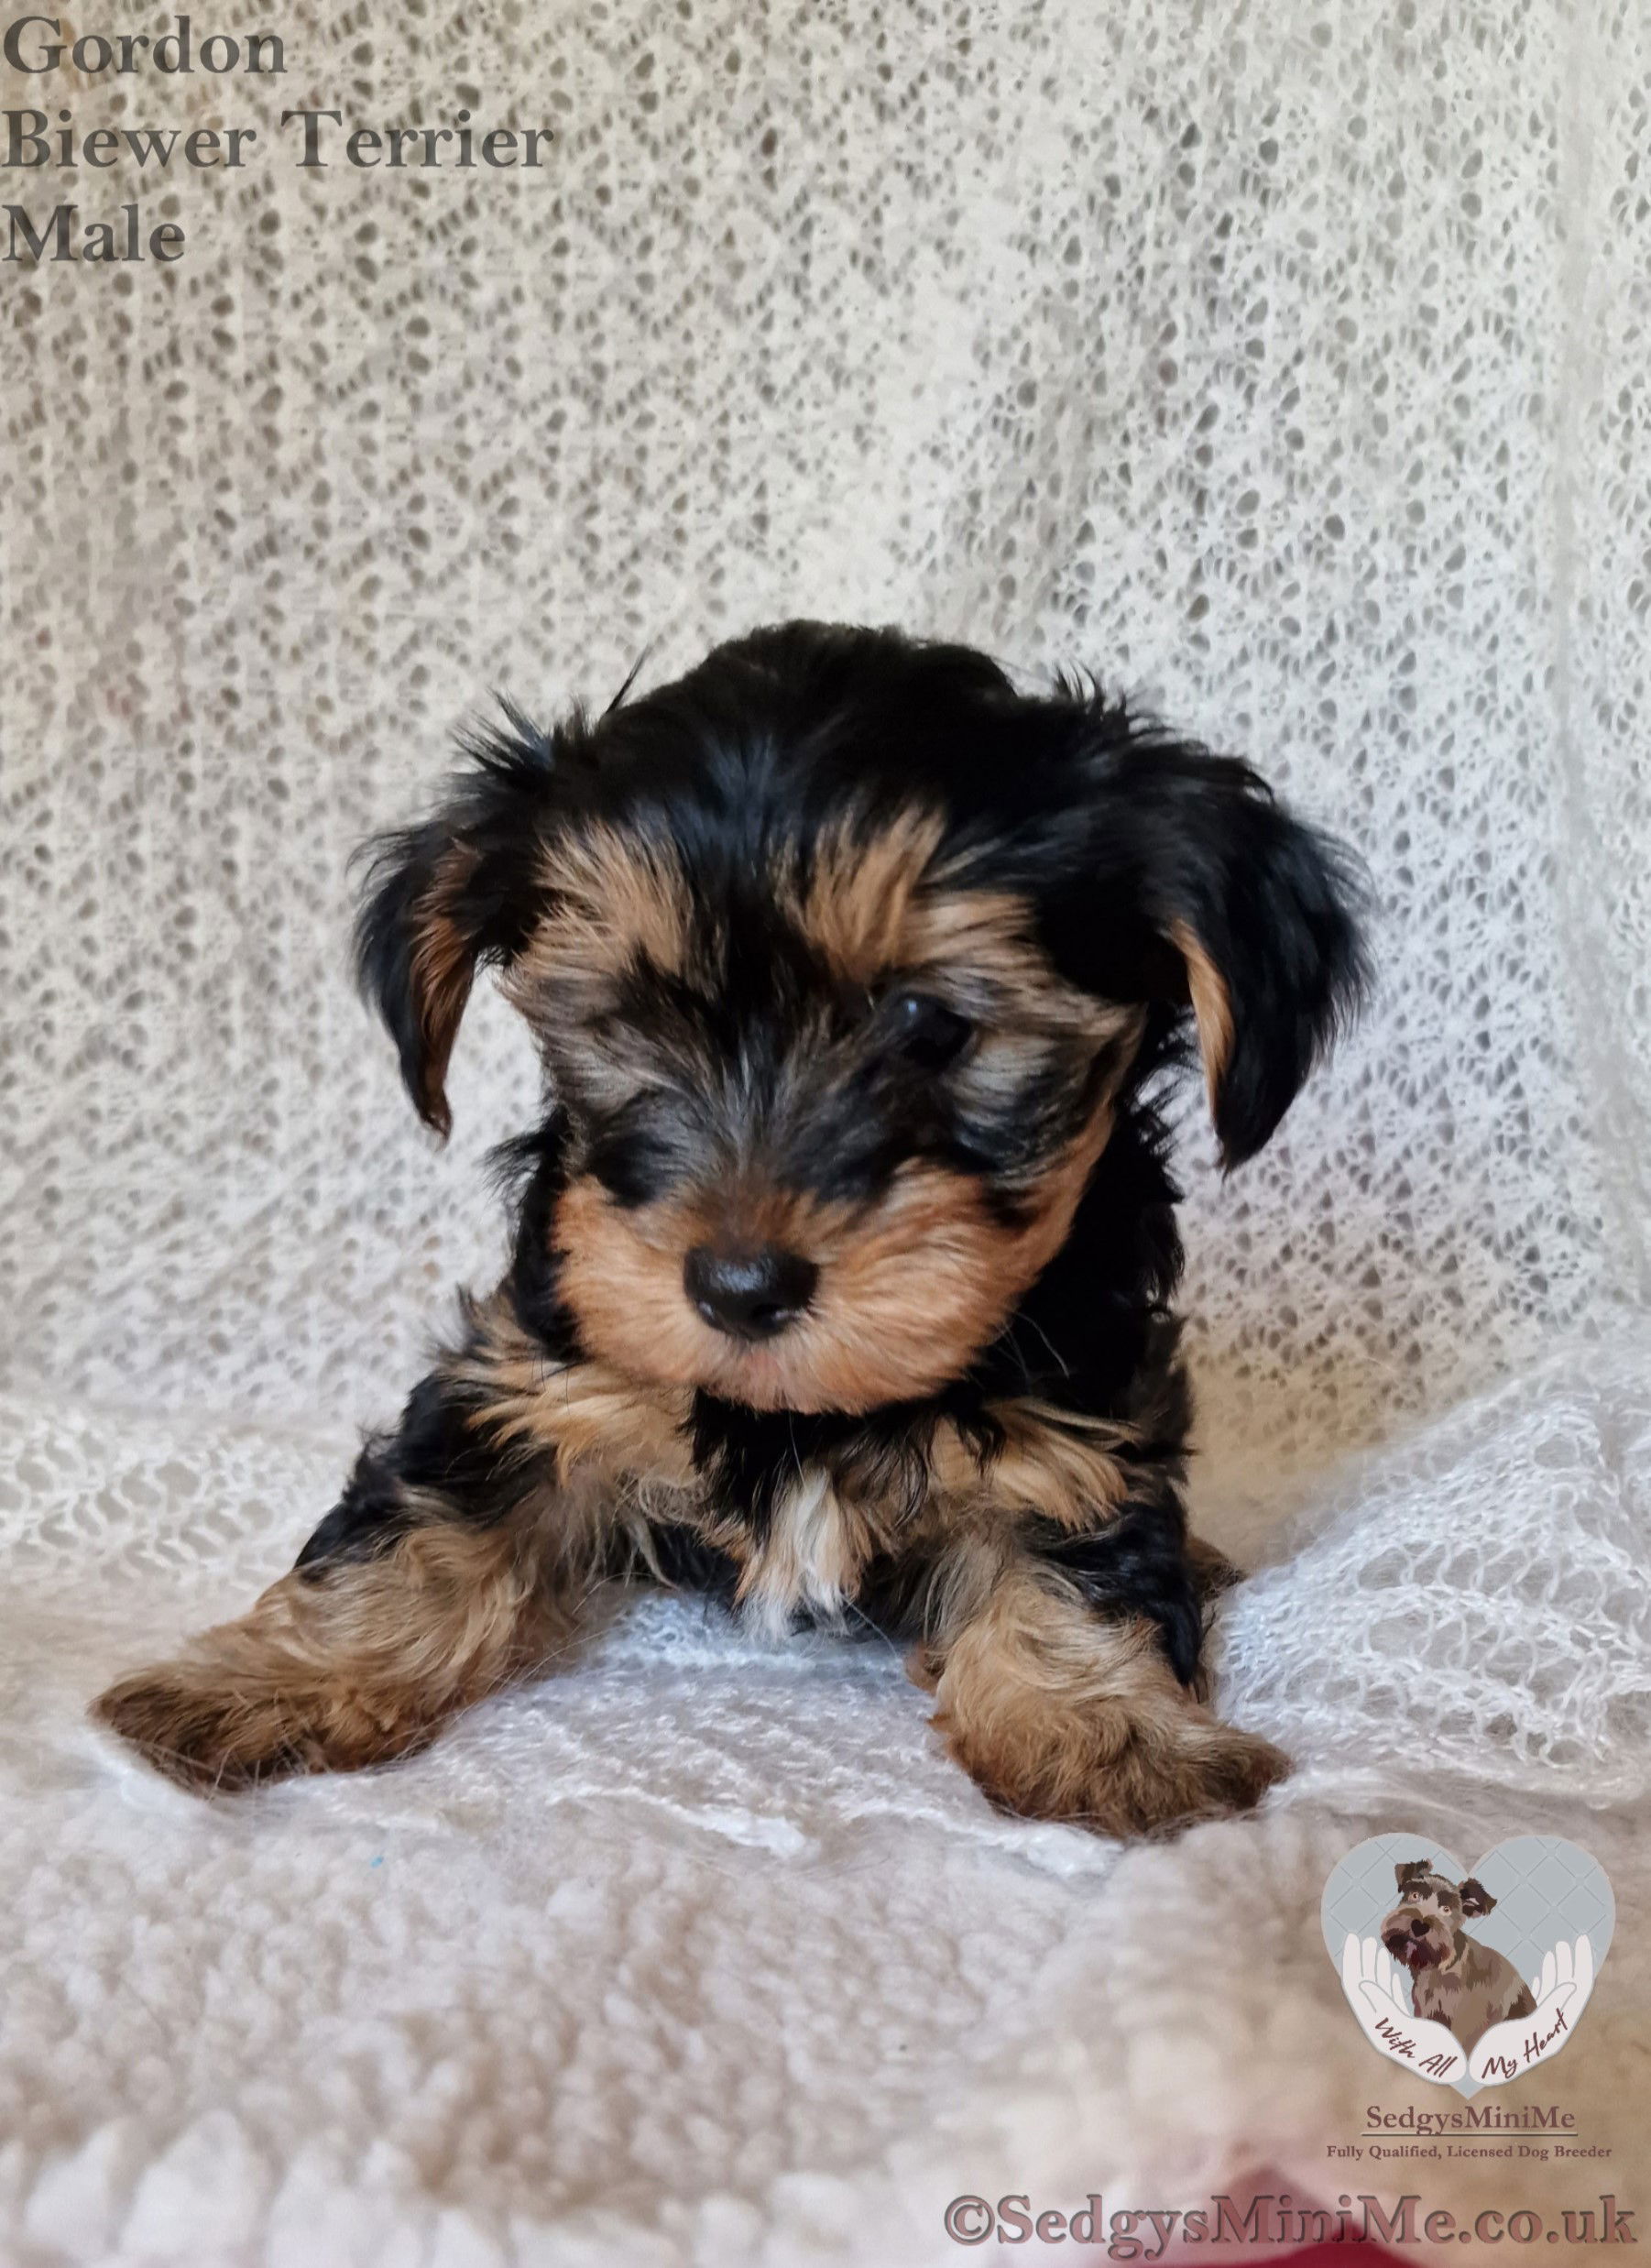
[[926, 1031]]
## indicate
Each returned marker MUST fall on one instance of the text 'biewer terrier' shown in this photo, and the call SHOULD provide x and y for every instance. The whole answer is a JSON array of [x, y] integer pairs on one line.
[[843, 1253]]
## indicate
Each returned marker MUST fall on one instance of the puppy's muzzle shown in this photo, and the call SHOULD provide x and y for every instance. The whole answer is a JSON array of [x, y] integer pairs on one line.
[[748, 1293]]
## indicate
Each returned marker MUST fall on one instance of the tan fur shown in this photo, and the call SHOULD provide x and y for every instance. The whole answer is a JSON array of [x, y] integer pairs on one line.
[[910, 1290], [1055, 1463], [988, 931], [983, 944], [442, 969], [362, 1664], [1056, 1712], [587, 1414], [1211, 1007], [880, 913], [926, 1277], [1060, 1715], [613, 899], [855, 905], [976, 949]]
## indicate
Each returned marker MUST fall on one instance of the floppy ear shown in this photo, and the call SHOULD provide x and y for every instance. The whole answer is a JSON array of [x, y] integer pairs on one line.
[[1476, 1900], [443, 898], [1409, 1870], [1251, 919]]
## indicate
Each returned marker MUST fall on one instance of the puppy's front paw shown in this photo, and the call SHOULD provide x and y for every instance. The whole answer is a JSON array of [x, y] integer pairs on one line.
[[1062, 1713], [204, 1738], [213, 1736], [1103, 1775], [1121, 1791], [1224, 1771]]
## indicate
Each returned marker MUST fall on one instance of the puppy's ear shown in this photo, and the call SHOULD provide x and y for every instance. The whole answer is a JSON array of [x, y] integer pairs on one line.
[[1409, 1870], [1476, 1900], [460, 889], [1251, 919]]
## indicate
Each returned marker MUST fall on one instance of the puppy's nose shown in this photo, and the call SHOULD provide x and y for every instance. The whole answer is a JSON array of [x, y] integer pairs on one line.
[[1418, 1928], [752, 1293]]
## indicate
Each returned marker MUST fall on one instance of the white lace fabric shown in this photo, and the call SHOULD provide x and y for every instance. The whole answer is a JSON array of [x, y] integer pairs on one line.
[[1289, 369]]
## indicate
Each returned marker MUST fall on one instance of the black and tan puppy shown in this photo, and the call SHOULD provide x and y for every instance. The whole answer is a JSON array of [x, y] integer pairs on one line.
[[843, 1253]]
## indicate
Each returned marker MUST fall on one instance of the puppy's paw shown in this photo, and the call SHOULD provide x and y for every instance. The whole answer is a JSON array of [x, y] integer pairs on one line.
[[1224, 1771], [1115, 1777], [206, 1740], [214, 1738], [1203, 1770]]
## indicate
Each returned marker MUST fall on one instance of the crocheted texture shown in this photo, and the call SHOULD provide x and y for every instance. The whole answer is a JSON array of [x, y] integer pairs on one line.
[[1290, 373], [701, 1951], [1286, 366]]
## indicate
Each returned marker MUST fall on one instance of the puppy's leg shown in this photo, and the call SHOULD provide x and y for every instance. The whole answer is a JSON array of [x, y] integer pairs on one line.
[[1061, 1711], [455, 1562], [350, 1663]]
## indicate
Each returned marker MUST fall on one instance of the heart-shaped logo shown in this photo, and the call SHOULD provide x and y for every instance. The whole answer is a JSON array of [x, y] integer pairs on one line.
[[1468, 1976]]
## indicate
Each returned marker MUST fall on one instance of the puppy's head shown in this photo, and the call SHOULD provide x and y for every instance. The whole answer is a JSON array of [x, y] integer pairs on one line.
[[1425, 1929], [843, 958]]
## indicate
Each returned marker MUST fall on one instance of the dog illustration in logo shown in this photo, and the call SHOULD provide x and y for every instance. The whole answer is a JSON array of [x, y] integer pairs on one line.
[[1454, 1980]]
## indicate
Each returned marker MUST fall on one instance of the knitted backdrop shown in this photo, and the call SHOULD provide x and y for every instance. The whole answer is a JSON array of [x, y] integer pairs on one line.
[[1286, 366]]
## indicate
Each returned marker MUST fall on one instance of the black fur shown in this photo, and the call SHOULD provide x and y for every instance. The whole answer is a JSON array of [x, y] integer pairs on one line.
[[1119, 835], [513, 770], [439, 1453], [1114, 828], [1136, 1564]]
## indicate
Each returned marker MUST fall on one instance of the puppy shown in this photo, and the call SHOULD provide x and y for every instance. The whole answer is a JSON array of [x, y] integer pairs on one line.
[[844, 1252], [1454, 1979]]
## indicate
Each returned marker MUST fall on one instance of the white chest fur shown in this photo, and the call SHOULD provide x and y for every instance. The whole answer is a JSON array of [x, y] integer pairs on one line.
[[807, 1558]]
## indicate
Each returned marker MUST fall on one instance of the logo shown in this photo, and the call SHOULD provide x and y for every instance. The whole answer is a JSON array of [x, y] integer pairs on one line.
[[1468, 1976]]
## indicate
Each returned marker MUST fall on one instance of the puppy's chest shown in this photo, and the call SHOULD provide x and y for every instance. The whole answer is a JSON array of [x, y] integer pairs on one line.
[[818, 1549], [806, 1557]]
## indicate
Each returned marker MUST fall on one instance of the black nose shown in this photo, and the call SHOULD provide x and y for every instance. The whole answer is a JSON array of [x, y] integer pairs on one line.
[[1418, 1928], [750, 1295]]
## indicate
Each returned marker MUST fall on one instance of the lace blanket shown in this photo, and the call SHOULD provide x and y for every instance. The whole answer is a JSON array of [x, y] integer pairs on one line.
[[1288, 367], [701, 1951]]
